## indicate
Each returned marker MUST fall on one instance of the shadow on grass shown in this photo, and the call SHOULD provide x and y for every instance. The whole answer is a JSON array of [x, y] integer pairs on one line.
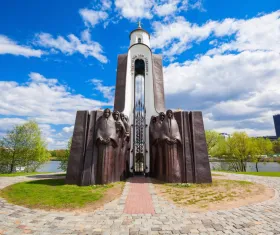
[[50, 182], [46, 176]]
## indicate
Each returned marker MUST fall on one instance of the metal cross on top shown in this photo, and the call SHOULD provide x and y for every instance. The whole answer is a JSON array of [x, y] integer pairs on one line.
[[139, 24]]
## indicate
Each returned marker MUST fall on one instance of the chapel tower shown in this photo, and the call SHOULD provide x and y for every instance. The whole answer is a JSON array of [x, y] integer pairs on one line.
[[139, 94]]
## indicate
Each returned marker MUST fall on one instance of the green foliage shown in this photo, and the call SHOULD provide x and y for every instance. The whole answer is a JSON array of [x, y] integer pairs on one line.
[[276, 146], [261, 147], [214, 142], [238, 149], [23, 146], [63, 156], [53, 194]]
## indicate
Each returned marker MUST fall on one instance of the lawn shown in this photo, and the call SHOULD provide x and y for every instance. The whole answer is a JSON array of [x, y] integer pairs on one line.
[[55, 194], [23, 174], [221, 194], [272, 174]]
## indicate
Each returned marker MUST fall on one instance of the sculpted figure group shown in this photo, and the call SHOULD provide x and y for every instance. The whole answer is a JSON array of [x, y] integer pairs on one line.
[[113, 143], [112, 140], [165, 146]]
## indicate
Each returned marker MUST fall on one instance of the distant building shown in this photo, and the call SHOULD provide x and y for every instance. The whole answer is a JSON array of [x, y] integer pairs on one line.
[[225, 135], [276, 119]]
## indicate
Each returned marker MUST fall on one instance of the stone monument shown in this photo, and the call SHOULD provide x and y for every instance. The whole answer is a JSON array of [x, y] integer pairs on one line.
[[139, 137]]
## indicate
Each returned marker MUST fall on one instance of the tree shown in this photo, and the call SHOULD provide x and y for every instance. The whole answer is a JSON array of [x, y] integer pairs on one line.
[[276, 146], [64, 156], [23, 146], [214, 141], [263, 147], [238, 149]]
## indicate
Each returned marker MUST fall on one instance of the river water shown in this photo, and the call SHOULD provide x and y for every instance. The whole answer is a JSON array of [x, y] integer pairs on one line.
[[251, 166], [53, 166]]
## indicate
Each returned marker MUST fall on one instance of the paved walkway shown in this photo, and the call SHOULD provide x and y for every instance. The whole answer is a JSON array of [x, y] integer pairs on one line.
[[139, 199], [260, 218]]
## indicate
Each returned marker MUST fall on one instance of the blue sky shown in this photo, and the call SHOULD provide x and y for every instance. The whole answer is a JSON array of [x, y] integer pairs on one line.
[[220, 57]]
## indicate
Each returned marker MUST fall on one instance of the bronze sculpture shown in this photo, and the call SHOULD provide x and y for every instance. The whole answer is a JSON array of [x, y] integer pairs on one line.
[[154, 131], [161, 159], [171, 140], [107, 141], [120, 130], [126, 147]]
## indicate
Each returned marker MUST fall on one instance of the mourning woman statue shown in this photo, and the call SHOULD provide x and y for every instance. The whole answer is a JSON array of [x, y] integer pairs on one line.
[[126, 147], [161, 166], [171, 141], [106, 141], [154, 132], [120, 129]]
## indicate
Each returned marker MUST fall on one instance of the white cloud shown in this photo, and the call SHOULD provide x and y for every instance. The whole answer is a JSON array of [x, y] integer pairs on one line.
[[8, 46], [92, 17], [8, 123], [230, 89], [107, 91], [146, 9], [72, 45], [166, 8], [43, 100], [258, 33], [134, 10], [106, 4], [47, 102], [68, 129]]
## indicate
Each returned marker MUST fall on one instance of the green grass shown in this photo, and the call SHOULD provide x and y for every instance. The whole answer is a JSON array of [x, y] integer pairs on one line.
[[53, 194], [272, 174], [23, 174]]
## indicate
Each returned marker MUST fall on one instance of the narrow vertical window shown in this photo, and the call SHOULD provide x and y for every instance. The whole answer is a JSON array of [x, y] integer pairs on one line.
[[139, 40]]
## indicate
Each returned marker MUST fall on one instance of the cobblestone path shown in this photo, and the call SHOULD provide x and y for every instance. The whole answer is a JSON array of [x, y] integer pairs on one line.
[[260, 218]]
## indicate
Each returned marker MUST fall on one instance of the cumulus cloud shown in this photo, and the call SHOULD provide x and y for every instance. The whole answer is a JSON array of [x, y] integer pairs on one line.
[[134, 9], [8, 46], [107, 91], [146, 9], [71, 45], [22, 102], [235, 91], [92, 17], [258, 33], [68, 129]]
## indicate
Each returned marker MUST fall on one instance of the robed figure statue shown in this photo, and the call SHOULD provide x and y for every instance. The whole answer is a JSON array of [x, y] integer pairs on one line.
[[154, 132], [107, 142], [171, 142], [159, 149], [120, 129], [126, 147]]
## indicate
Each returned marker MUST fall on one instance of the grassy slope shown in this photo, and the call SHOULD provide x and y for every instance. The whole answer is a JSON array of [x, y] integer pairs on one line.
[[52, 194]]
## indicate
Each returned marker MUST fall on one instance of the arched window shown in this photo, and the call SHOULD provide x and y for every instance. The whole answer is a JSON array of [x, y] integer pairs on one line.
[[139, 40]]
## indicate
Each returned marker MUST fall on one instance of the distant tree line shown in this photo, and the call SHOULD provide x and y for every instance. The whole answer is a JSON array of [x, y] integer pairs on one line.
[[61, 155], [239, 148]]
